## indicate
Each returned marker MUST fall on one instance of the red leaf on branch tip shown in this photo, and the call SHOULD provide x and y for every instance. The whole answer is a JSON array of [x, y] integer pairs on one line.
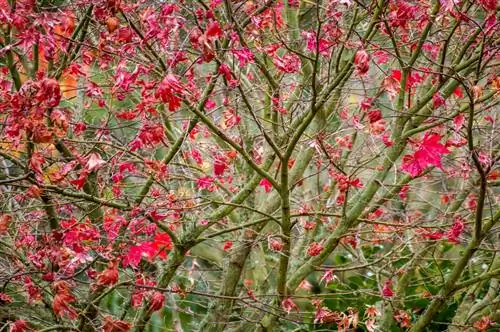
[[36, 162], [151, 134], [371, 311], [210, 104], [49, 93], [387, 290], [157, 301], [266, 185], [94, 162], [374, 116], [5, 298], [213, 30], [361, 61], [458, 122], [312, 44], [328, 277], [196, 155], [315, 249], [288, 64], [411, 165], [458, 92], [220, 165], [429, 153], [5, 220], [19, 326], [438, 100], [456, 230], [288, 305], [109, 276], [324, 315], [80, 181], [403, 318], [484, 323], [63, 298], [169, 91], [228, 245], [79, 128], [437, 235], [137, 252], [431, 150], [489, 4], [112, 325], [127, 166], [162, 243], [148, 250], [226, 71], [275, 244], [126, 115], [381, 57], [34, 293], [205, 182], [244, 56], [231, 119]]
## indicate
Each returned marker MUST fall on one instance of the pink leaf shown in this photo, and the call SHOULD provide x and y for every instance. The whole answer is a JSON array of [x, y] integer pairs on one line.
[[266, 184]]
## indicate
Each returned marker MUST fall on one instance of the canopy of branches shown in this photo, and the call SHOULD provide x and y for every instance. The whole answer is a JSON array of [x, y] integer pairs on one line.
[[229, 165]]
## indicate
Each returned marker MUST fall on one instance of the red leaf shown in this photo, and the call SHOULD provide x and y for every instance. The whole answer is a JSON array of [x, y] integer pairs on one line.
[[411, 165], [374, 116], [231, 119], [458, 92], [228, 245], [220, 165], [137, 252], [430, 151], [36, 162], [275, 244], [111, 325], [428, 154], [361, 60], [170, 91], [244, 56], [387, 290], [315, 249], [205, 183], [157, 301], [5, 298], [266, 184], [109, 276], [162, 243], [289, 63], [484, 323], [288, 305], [438, 100], [63, 298], [49, 93], [213, 30], [19, 326], [5, 221]]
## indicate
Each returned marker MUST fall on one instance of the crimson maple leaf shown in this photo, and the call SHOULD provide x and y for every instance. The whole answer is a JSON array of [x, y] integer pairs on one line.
[[220, 165], [266, 184], [429, 153]]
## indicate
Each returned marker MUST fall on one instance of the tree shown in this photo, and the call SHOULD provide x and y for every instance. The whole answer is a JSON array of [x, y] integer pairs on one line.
[[226, 165]]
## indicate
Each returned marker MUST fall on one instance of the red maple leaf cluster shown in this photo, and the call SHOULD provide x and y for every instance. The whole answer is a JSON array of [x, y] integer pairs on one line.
[[428, 153]]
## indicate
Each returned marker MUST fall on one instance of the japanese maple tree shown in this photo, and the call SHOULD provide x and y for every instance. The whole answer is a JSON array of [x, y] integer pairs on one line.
[[253, 165]]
